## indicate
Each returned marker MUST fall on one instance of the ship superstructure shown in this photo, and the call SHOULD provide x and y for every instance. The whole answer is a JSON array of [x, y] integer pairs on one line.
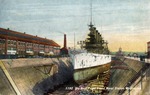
[[95, 42]]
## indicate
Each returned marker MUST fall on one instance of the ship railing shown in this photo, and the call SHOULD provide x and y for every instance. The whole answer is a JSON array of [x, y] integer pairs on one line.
[[146, 60], [134, 58]]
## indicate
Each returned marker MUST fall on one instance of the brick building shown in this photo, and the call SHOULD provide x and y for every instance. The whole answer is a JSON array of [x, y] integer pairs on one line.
[[19, 44]]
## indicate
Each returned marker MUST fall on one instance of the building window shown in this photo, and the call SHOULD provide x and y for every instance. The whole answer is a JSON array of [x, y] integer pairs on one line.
[[10, 48], [9, 42], [29, 49], [2, 41]]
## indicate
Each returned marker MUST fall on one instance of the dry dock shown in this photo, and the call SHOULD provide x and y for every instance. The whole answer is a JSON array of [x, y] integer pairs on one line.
[[37, 76], [33, 76]]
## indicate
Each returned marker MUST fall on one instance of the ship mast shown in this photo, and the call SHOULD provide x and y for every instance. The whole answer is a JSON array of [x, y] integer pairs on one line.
[[74, 41], [91, 25]]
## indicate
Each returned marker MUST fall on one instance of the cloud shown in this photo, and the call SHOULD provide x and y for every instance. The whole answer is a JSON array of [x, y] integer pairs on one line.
[[124, 23]]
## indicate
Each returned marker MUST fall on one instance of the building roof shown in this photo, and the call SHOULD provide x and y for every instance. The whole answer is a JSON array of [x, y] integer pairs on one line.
[[14, 35]]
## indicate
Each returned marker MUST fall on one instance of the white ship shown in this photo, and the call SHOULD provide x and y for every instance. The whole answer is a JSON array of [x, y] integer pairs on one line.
[[88, 65]]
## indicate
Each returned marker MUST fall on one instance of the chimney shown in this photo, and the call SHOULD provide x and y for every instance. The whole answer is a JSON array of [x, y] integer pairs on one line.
[[65, 45]]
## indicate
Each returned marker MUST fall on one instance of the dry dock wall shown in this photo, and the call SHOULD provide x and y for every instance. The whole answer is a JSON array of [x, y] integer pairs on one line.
[[121, 78], [140, 87], [35, 76], [5, 86]]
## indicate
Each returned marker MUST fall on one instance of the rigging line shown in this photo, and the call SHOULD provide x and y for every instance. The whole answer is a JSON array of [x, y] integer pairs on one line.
[[74, 40]]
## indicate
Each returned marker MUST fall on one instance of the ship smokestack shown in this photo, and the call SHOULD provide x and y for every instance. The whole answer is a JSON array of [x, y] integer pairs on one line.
[[64, 50], [65, 41]]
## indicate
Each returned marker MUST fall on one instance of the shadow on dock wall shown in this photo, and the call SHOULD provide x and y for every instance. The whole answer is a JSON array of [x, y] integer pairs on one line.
[[63, 74]]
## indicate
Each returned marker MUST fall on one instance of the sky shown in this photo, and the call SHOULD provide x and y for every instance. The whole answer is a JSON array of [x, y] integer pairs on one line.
[[123, 23]]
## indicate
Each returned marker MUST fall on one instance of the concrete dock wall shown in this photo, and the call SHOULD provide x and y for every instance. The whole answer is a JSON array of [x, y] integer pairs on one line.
[[141, 86], [5, 86], [37, 76], [120, 78]]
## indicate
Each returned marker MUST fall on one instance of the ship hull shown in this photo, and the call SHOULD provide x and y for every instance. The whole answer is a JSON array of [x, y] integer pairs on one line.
[[85, 74]]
